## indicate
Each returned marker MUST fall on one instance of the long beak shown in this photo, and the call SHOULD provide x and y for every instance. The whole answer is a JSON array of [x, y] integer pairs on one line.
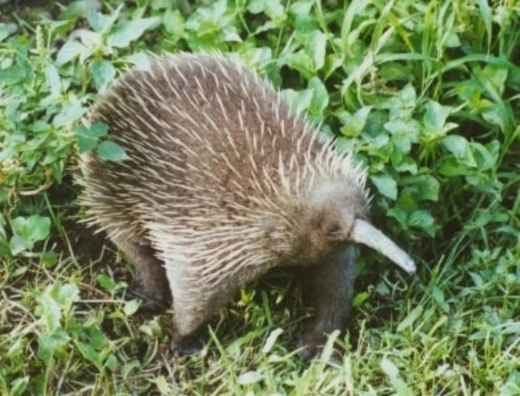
[[365, 233]]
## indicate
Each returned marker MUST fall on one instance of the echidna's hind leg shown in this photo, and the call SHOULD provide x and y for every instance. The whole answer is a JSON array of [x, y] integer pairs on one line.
[[331, 286], [150, 284]]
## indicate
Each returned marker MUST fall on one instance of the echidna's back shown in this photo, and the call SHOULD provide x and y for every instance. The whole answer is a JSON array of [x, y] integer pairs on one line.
[[202, 135]]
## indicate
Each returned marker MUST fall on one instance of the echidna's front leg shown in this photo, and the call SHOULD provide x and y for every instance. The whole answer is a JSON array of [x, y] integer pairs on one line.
[[331, 286], [151, 284], [193, 306]]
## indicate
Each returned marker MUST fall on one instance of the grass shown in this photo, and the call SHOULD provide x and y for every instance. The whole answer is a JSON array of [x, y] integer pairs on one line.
[[427, 94]]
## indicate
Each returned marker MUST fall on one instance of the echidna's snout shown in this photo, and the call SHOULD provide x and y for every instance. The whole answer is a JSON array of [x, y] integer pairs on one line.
[[365, 233]]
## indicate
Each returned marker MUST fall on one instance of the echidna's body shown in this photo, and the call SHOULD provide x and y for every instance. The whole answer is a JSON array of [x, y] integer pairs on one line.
[[223, 182]]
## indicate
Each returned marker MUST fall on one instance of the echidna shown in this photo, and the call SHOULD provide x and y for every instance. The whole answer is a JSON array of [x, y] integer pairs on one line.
[[223, 182]]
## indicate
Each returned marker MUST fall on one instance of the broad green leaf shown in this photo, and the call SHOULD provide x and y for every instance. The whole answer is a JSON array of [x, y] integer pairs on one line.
[[250, 377], [86, 143], [271, 340], [408, 127], [163, 385], [459, 147], [103, 73], [123, 34], [486, 156], [89, 353], [424, 221], [96, 130], [316, 48], [391, 370], [130, 366], [423, 187], [100, 22], [71, 111], [452, 168], [173, 22], [4, 31], [386, 185], [12, 75], [131, 307], [53, 79], [409, 320], [49, 342], [436, 115], [71, 50], [18, 244], [27, 231], [298, 100], [108, 150], [106, 282], [320, 96], [38, 227], [353, 124]]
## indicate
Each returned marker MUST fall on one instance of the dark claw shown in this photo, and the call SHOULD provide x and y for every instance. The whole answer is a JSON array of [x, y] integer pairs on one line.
[[149, 305], [186, 347]]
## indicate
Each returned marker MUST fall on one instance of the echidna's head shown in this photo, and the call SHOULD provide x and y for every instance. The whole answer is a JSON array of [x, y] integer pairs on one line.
[[335, 214]]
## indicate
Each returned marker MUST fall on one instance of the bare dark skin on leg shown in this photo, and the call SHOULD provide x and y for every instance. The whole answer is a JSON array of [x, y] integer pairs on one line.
[[151, 284], [330, 287]]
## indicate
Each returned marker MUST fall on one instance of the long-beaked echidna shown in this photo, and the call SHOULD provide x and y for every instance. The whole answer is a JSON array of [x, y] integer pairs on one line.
[[223, 181]]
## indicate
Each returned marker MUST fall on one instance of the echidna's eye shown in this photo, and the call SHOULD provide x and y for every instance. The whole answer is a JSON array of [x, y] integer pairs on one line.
[[334, 229]]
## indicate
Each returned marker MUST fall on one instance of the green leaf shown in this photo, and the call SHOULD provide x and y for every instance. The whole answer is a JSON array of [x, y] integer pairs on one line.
[[53, 79], [424, 221], [95, 131], [18, 244], [452, 168], [72, 110], [103, 73], [423, 187], [86, 143], [386, 185], [410, 318], [173, 22], [316, 48], [12, 75], [459, 147], [89, 353], [106, 282], [27, 231], [49, 342], [71, 50], [250, 377], [298, 100], [4, 31], [108, 150], [102, 23], [131, 307], [486, 156], [360, 298], [272, 8], [391, 370], [320, 96], [38, 227], [353, 124], [123, 34], [271, 340], [130, 366], [436, 115], [163, 385]]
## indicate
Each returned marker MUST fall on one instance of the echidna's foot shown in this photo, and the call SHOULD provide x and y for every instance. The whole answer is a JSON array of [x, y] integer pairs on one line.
[[309, 346], [152, 304], [186, 346]]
